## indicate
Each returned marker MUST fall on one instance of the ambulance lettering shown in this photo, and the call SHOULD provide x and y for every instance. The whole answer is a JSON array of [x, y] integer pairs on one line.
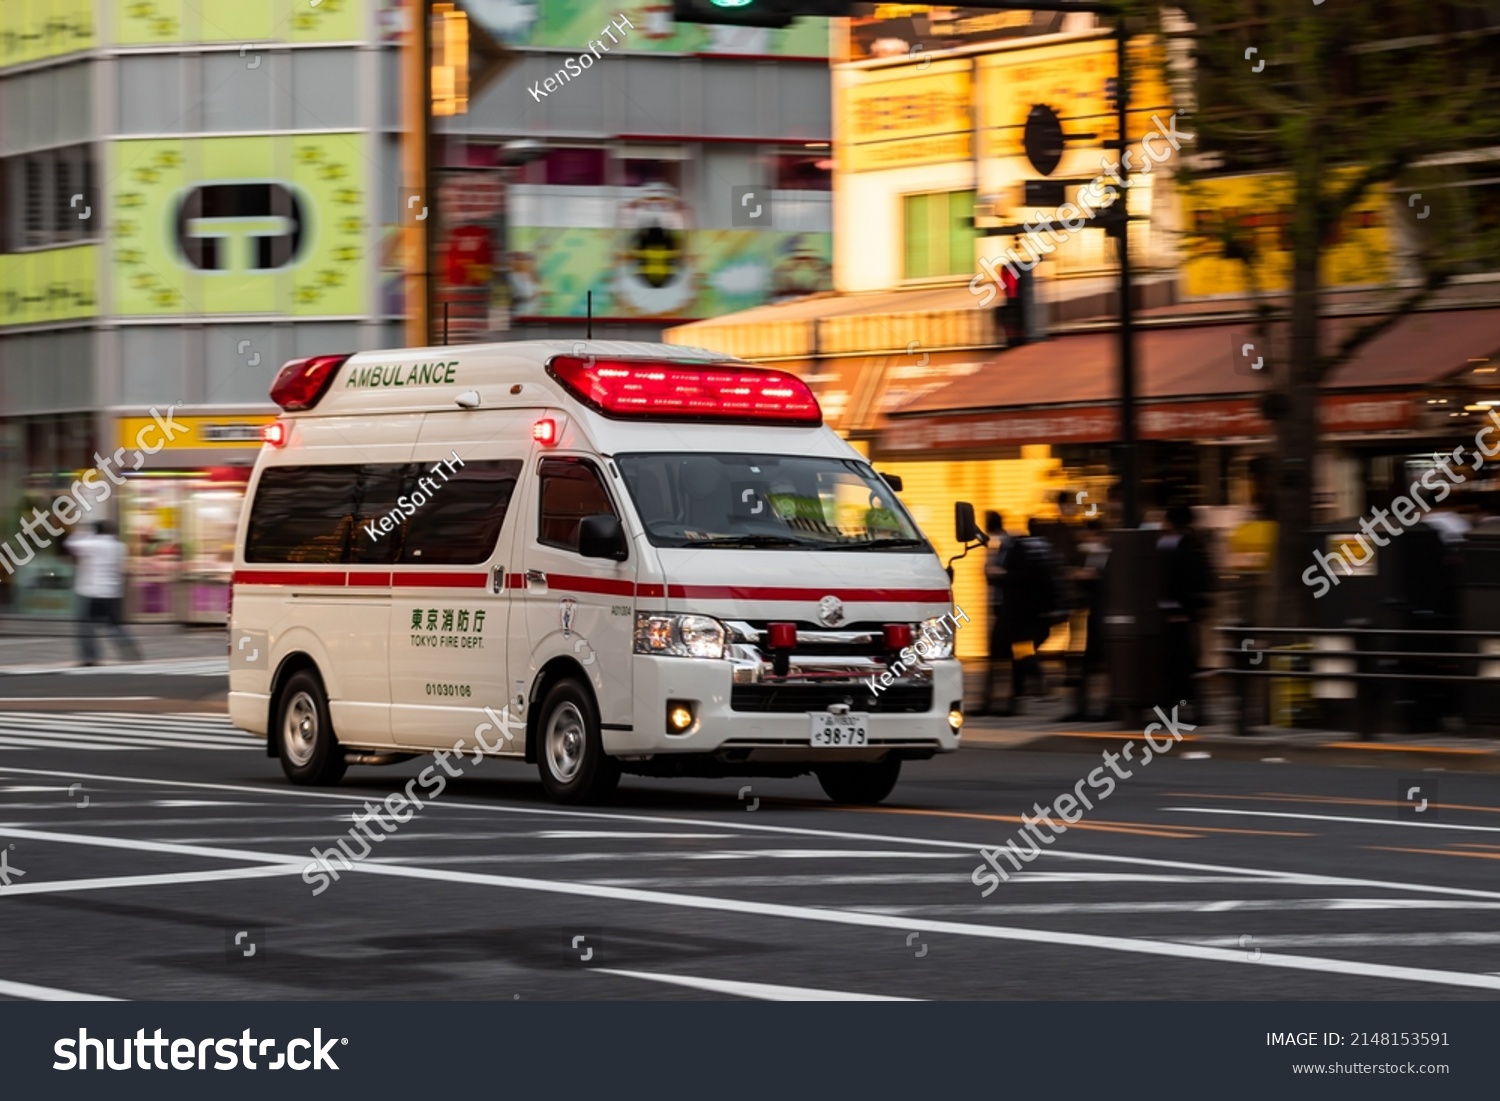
[[448, 628]]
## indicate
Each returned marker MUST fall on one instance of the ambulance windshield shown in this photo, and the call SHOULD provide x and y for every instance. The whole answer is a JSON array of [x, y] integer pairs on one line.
[[769, 501]]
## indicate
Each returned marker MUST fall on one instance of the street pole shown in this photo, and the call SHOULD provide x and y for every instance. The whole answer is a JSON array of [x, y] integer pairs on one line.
[[1130, 490]]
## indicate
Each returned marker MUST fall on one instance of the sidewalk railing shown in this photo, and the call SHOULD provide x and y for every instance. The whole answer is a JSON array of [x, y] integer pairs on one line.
[[1360, 674]]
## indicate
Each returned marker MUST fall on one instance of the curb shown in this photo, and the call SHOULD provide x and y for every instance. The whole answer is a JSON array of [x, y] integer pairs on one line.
[[1253, 748], [151, 705]]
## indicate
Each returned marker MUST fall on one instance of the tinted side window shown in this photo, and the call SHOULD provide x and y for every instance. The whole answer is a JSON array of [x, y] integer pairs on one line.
[[302, 514], [570, 490], [380, 485], [456, 522]]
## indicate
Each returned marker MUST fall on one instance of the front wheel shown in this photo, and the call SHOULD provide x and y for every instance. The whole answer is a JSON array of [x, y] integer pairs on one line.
[[860, 782], [309, 751], [570, 751]]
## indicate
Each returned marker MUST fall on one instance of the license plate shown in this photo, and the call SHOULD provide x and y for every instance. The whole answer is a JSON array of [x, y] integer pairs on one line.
[[840, 730]]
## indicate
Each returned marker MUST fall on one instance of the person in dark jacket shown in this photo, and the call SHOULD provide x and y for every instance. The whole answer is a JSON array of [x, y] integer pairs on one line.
[[994, 576], [1088, 576], [1183, 562]]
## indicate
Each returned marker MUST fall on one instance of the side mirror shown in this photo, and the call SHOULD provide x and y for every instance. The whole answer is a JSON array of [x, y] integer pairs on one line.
[[965, 529], [602, 537], [892, 480]]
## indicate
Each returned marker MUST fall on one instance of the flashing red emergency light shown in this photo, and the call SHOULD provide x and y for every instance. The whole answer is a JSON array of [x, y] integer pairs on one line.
[[782, 636], [301, 383], [722, 392], [274, 433], [897, 636], [544, 431]]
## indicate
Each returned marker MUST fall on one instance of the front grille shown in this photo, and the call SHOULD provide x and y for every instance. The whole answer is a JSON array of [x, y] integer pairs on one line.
[[846, 640], [898, 698]]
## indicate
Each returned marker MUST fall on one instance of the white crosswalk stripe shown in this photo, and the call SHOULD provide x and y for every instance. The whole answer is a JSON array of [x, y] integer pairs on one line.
[[114, 731], [180, 667]]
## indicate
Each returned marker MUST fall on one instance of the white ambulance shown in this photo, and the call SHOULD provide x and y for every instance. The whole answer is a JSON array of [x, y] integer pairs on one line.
[[629, 557]]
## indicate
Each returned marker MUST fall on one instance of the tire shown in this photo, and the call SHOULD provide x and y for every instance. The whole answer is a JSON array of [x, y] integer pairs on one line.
[[860, 782], [570, 755], [310, 752]]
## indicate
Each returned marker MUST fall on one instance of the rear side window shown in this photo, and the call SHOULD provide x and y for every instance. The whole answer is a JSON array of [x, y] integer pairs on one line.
[[460, 519], [570, 490], [338, 515], [302, 514]]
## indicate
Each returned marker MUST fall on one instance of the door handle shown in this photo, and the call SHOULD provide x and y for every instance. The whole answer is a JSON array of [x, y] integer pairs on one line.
[[535, 577], [497, 579]]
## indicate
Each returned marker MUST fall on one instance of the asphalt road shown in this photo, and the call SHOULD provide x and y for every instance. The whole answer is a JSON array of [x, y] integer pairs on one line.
[[150, 842]]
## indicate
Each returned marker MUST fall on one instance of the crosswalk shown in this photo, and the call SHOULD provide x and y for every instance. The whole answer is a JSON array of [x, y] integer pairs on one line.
[[117, 731], [178, 667]]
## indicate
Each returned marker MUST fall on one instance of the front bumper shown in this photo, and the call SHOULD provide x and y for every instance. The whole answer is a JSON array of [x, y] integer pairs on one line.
[[768, 722]]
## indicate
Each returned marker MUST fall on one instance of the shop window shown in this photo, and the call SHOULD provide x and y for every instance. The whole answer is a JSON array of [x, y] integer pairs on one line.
[[938, 239], [566, 168], [804, 172], [640, 172], [571, 490], [460, 522]]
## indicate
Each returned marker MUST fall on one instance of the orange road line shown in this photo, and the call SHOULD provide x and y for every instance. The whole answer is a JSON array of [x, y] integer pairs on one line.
[[1405, 748], [1434, 852], [1139, 829], [1287, 797]]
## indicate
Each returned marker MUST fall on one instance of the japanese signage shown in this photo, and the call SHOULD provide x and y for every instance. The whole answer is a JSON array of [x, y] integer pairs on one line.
[[48, 285], [450, 628], [897, 118]]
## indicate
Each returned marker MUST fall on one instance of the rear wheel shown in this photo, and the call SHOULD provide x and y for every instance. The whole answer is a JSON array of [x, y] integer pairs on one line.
[[309, 751], [860, 782], [570, 750]]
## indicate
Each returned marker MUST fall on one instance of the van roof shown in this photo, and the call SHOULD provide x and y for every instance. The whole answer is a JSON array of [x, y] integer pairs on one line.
[[503, 374]]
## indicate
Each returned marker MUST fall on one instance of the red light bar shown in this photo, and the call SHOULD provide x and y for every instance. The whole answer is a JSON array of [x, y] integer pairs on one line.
[[302, 383], [679, 391], [544, 431], [274, 433]]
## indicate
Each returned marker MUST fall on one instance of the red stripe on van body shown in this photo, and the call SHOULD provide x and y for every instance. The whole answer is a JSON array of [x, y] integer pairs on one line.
[[428, 580], [579, 584], [371, 580], [774, 592], [323, 578]]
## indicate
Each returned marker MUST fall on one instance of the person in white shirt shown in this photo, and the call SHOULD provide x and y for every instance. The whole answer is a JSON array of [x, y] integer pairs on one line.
[[99, 584]]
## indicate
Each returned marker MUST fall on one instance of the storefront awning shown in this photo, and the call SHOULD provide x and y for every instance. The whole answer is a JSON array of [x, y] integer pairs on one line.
[[1193, 382]]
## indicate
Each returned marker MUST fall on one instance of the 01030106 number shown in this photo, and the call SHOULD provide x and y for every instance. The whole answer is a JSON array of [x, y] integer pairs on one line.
[[448, 690]]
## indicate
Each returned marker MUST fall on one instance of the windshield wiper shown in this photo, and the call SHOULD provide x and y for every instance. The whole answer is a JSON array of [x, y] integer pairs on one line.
[[749, 541], [879, 543]]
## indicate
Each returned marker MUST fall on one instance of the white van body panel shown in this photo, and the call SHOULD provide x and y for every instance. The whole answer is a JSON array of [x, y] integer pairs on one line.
[[400, 674]]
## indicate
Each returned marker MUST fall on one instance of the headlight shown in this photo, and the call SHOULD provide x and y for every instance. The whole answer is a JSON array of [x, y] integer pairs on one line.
[[679, 636], [936, 637]]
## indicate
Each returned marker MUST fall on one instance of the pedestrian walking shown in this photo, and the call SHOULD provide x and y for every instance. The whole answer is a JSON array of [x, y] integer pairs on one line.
[[99, 583], [1184, 600], [1088, 576], [994, 576]]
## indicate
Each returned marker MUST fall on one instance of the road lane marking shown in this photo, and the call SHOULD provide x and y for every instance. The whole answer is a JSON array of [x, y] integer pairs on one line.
[[30, 993], [1182, 906], [1352, 940], [1046, 938], [112, 882], [1301, 879], [766, 992], [912, 879], [1402, 823], [1433, 852]]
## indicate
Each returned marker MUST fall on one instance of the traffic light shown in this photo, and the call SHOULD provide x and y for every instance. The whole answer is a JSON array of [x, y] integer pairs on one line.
[[756, 13], [1018, 318]]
